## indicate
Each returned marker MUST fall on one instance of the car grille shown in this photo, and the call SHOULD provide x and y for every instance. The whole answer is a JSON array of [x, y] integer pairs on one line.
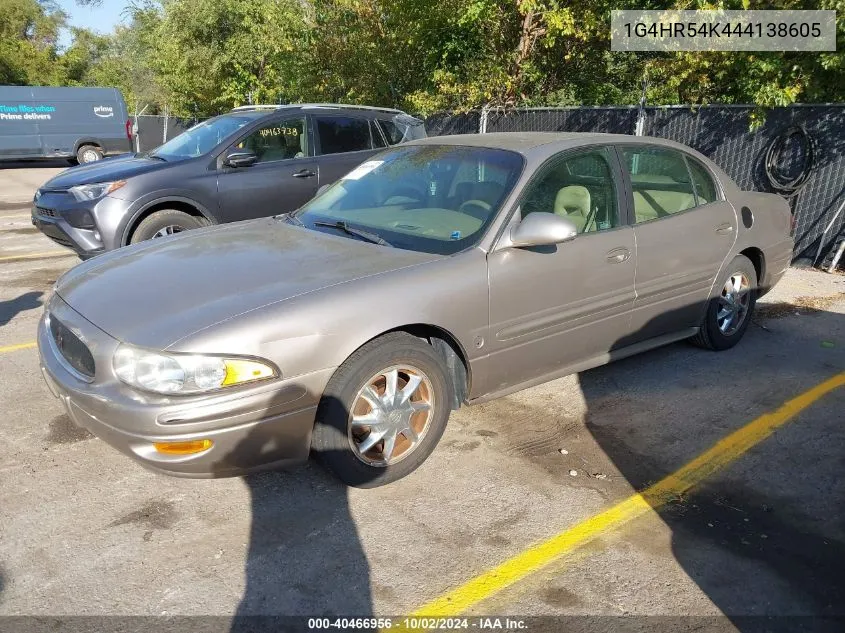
[[71, 348], [47, 213]]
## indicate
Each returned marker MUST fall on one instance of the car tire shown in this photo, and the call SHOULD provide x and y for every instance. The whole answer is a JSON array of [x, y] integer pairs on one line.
[[165, 222], [88, 154], [727, 317], [341, 445]]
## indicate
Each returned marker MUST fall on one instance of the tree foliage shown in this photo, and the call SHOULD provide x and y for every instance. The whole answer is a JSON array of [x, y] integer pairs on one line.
[[200, 57]]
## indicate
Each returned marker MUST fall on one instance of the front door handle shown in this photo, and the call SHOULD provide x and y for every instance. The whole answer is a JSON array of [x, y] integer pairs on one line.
[[618, 255], [303, 173], [724, 229]]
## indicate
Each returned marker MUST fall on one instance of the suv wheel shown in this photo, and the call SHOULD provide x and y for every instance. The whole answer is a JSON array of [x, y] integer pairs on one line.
[[163, 223], [383, 411]]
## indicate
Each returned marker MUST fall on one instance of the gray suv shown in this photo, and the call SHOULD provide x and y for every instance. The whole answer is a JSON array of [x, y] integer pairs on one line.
[[252, 162]]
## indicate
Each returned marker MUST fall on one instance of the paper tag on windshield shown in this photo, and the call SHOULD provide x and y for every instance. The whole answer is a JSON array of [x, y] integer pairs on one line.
[[362, 170]]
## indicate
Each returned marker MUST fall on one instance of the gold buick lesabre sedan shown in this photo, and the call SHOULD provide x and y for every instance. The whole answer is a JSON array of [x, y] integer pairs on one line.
[[441, 272]]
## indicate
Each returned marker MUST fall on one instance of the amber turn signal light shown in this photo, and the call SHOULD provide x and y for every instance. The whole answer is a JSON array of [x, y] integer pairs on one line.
[[183, 448]]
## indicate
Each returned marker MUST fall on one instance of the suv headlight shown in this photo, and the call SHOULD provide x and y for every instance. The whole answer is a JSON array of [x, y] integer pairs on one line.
[[95, 190], [166, 373]]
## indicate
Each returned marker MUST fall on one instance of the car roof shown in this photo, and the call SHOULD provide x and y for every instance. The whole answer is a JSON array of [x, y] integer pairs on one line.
[[269, 108], [525, 142]]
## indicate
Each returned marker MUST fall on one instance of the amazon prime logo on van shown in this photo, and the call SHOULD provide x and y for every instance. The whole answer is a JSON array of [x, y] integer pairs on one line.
[[103, 111]]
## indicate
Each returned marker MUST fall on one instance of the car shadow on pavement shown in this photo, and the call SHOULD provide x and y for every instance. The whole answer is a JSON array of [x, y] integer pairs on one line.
[[305, 557], [764, 538], [11, 308]]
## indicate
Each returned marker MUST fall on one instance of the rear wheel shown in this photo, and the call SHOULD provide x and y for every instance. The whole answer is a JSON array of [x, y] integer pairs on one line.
[[729, 312], [383, 411], [163, 223], [89, 154]]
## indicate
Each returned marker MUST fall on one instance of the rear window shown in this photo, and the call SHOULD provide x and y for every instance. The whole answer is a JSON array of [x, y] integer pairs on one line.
[[401, 128], [343, 134], [705, 188]]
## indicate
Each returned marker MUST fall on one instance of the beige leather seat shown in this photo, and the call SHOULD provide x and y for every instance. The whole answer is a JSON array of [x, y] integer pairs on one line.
[[302, 148], [573, 203], [652, 202]]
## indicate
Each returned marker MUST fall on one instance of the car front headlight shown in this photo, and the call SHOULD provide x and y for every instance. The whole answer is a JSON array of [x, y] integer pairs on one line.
[[95, 190], [167, 373]]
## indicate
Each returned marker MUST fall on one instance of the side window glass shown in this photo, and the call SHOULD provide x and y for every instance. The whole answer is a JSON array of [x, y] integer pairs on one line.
[[378, 141], [580, 188], [278, 140], [660, 181], [705, 188], [391, 131], [343, 134]]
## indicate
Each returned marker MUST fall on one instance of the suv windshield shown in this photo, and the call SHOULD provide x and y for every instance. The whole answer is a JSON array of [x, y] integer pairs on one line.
[[430, 198], [203, 137]]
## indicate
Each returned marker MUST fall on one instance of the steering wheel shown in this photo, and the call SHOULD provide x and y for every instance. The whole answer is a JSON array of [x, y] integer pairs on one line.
[[471, 206]]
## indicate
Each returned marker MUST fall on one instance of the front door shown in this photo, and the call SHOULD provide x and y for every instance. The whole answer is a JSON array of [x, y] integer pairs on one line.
[[554, 307], [282, 179], [684, 230]]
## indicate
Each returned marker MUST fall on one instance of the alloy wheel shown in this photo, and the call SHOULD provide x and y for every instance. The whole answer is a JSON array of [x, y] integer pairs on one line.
[[390, 415], [170, 229], [733, 303]]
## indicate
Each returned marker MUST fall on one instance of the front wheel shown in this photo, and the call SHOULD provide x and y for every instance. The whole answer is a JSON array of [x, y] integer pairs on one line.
[[163, 223], [729, 312], [383, 411]]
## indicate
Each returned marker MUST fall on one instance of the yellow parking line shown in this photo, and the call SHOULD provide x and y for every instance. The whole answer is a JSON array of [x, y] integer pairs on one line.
[[8, 258], [671, 487], [14, 348]]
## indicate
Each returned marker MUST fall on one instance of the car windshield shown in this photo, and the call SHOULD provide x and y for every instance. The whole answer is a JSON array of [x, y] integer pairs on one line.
[[203, 137], [430, 198]]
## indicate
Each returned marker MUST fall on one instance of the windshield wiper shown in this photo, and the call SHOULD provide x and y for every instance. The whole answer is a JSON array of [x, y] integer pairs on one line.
[[364, 235], [157, 157]]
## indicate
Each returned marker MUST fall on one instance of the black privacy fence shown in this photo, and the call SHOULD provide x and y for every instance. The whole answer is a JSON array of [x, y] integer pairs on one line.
[[798, 152]]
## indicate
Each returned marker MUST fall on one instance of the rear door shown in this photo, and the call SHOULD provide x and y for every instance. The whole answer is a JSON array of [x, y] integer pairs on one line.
[[283, 179], [343, 142], [684, 230]]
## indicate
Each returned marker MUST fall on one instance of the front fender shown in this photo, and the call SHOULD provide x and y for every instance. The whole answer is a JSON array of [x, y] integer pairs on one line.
[[158, 198], [321, 329]]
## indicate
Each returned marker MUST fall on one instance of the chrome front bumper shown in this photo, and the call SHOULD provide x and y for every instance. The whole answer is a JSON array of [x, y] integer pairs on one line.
[[264, 426]]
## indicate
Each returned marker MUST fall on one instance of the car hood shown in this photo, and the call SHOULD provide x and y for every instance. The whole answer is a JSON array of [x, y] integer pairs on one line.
[[106, 170], [156, 293]]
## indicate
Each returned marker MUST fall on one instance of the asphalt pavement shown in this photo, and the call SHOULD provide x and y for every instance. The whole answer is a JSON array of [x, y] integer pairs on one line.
[[523, 485]]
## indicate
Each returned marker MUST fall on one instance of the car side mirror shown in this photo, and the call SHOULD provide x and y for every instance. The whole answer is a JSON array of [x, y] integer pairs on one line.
[[240, 159], [542, 229]]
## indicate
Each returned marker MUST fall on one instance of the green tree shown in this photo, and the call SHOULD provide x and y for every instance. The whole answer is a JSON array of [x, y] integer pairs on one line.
[[212, 54], [29, 32]]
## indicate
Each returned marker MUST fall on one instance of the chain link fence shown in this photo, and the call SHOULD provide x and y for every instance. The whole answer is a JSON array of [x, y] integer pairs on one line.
[[153, 130], [720, 132]]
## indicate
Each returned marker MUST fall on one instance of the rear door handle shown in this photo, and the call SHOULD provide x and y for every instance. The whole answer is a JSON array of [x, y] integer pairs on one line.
[[618, 255], [724, 229], [303, 173]]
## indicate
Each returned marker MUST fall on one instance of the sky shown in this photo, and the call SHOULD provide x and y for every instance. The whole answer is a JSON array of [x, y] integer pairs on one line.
[[101, 19]]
